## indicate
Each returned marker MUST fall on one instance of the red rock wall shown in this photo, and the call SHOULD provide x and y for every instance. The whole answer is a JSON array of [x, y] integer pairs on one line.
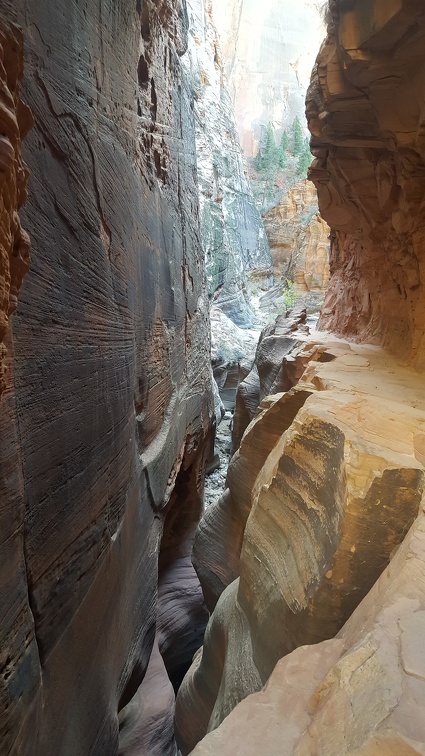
[[19, 660], [365, 112], [109, 397], [15, 120]]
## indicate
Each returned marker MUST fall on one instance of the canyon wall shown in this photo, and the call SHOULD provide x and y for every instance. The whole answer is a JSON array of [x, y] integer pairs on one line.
[[362, 692], [232, 230], [106, 404], [298, 238], [365, 112], [269, 53], [330, 474]]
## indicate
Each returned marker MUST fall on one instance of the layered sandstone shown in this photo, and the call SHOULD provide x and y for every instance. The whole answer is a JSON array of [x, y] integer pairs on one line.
[[277, 366], [311, 522], [105, 419], [299, 240], [362, 692], [365, 112]]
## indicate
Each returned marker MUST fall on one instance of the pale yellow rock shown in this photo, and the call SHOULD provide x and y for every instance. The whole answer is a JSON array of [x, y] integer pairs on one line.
[[320, 518], [371, 699]]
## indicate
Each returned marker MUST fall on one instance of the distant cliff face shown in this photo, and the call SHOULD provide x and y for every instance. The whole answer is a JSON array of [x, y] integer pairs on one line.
[[298, 238], [105, 418], [269, 51], [365, 112], [232, 230]]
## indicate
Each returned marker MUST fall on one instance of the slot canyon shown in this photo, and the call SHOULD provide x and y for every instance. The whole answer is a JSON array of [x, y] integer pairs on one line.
[[212, 253]]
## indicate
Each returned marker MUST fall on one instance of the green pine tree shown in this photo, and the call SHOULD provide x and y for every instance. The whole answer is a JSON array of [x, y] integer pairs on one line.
[[282, 150], [297, 134], [304, 159], [258, 160], [269, 155], [281, 157]]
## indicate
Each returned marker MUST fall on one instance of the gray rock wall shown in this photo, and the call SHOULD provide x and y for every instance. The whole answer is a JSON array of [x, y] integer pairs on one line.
[[232, 230]]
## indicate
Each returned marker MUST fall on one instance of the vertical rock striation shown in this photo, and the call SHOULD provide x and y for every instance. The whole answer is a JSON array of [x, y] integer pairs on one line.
[[269, 52], [365, 112], [105, 420], [232, 230]]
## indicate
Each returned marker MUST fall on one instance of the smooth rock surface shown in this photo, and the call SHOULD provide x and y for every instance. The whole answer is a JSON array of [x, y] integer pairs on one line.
[[147, 722], [317, 515], [362, 692]]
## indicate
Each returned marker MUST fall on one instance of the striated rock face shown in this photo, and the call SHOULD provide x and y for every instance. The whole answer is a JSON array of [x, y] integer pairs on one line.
[[299, 240], [365, 112], [327, 481], [269, 54], [362, 692], [104, 424], [232, 230]]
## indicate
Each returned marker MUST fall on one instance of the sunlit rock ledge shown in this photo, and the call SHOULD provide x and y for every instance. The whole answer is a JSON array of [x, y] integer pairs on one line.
[[338, 488]]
